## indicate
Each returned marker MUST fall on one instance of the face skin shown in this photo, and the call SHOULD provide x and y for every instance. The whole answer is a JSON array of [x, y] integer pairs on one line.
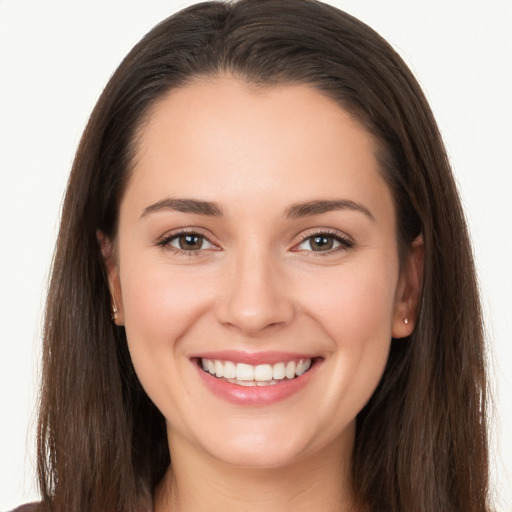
[[254, 285]]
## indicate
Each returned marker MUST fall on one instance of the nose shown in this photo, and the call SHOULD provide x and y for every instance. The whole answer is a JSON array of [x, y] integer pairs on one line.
[[255, 297]]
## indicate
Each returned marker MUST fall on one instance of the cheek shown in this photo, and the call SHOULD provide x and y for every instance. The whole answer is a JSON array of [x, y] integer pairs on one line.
[[355, 309], [354, 305], [159, 307], [152, 301]]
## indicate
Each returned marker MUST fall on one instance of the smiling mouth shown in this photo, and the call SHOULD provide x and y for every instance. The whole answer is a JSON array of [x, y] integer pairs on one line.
[[244, 374]]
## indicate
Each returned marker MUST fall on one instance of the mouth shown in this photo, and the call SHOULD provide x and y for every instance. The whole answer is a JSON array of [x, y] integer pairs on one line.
[[248, 375], [256, 379]]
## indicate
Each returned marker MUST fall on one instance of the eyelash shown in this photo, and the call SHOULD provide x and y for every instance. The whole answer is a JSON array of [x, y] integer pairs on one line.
[[166, 242], [344, 242]]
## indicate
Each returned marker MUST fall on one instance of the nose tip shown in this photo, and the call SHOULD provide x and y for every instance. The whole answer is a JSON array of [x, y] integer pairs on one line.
[[255, 300], [252, 320]]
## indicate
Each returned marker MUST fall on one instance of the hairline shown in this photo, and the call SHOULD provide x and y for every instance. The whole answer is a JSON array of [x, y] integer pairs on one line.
[[381, 152]]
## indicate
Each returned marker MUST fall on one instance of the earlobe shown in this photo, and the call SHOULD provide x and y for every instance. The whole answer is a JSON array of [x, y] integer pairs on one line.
[[408, 291], [112, 274]]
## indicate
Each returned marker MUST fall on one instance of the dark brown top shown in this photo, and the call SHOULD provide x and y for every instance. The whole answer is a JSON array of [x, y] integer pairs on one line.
[[29, 507]]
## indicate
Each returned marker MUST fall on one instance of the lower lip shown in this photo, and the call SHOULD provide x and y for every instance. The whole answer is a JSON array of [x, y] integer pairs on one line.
[[256, 395]]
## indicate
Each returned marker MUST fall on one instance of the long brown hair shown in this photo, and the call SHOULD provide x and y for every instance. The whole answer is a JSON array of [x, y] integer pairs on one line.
[[421, 440]]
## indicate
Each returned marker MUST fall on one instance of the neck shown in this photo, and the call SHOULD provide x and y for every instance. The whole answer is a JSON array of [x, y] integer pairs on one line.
[[199, 483]]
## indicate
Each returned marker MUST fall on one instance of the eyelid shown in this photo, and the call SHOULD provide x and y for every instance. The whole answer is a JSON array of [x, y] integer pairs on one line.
[[164, 240], [176, 238], [345, 241]]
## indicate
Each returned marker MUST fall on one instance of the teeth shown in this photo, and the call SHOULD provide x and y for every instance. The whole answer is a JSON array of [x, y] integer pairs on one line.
[[279, 371], [244, 372], [263, 372], [259, 375], [219, 369], [290, 370], [303, 366], [229, 370]]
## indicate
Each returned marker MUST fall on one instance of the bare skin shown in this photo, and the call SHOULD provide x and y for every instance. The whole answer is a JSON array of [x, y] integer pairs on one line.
[[223, 487], [256, 227]]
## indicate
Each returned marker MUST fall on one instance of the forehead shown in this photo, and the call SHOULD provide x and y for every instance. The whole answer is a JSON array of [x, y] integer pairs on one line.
[[226, 136]]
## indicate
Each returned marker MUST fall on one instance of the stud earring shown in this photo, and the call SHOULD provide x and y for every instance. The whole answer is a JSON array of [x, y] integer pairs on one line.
[[406, 320], [114, 311]]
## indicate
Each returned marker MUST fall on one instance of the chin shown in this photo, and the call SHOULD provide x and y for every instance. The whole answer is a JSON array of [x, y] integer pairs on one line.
[[254, 457], [262, 448]]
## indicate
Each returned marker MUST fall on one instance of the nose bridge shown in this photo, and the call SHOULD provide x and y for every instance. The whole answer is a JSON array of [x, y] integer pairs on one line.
[[255, 297]]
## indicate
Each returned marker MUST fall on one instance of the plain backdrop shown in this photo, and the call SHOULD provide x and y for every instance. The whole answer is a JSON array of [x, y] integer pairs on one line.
[[55, 58]]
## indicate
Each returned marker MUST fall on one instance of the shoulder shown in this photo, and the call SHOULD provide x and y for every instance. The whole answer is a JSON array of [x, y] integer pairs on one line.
[[29, 507]]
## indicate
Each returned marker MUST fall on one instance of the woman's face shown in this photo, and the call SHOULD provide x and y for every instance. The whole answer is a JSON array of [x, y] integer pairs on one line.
[[257, 239]]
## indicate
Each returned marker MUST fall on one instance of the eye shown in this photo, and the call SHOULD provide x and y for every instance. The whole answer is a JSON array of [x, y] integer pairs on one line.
[[187, 242], [324, 242]]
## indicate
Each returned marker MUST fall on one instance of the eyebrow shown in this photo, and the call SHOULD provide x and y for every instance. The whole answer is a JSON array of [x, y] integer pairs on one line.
[[311, 208], [296, 211], [186, 206]]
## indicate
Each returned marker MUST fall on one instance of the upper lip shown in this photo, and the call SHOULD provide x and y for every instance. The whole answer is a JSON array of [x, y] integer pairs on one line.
[[253, 358]]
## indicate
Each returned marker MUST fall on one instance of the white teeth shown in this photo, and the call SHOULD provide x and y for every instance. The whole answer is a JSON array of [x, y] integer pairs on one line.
[[267, 383], [290, 370], [247, 383], [279, 371], [244, 372], [263, 372], [229, 370], [303, 366], [219, 369], [259, 375]]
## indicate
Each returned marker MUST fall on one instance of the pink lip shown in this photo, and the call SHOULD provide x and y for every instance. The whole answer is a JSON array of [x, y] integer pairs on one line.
[[253, 358], [256, 395]]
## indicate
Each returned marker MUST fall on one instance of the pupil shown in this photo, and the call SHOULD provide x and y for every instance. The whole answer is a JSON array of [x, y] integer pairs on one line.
[[321, 243], [189, 242]]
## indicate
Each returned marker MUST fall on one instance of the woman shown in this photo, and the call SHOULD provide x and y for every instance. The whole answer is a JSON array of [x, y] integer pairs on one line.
[[263, 295]]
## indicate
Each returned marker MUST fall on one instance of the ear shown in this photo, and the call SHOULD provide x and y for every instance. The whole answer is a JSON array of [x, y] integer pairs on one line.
[[108, 254], [408, 291]]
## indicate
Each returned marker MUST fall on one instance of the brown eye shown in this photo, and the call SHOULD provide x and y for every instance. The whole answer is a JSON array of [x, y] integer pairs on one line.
[[324, 242], [321, 243], [188, 242]]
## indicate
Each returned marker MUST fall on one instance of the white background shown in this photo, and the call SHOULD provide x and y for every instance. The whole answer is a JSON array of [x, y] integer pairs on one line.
[[55, 57]]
